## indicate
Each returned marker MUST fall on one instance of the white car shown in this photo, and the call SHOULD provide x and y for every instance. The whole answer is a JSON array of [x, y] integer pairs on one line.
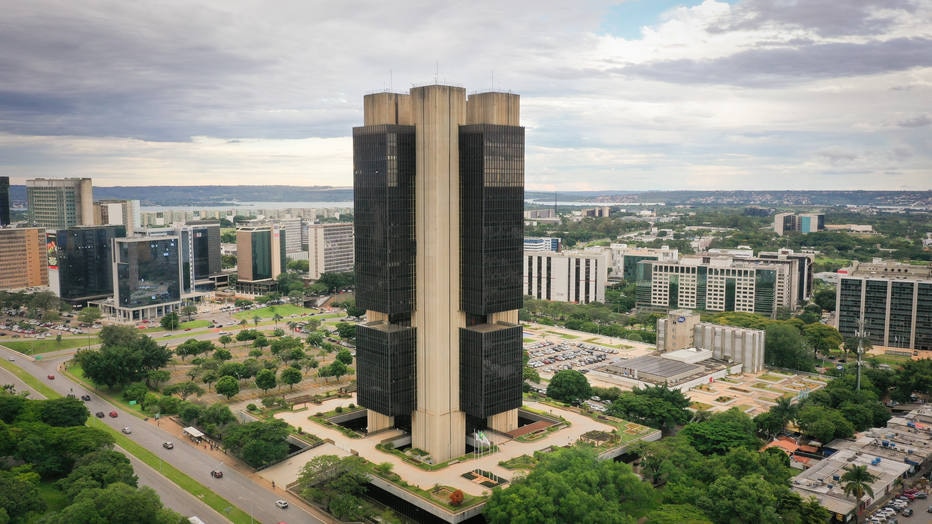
[[281, 503], [126, 430]]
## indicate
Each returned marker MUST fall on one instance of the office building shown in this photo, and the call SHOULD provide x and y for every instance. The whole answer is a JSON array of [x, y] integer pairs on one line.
[[625, 259], [23, 258], [542, 244], [261, 258], [60, 203], [717, 284], [682, 329], [439, 189], [118, 213], [570, 276], [330, 248], [893, 300], [147, 278], [803, 267], [801, 223], [292, 239], [82, 267], [4, 201]]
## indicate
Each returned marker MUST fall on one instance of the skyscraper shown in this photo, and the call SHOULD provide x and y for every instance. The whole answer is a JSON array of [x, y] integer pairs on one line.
[[4, 201], [439, 189], [60, 203]]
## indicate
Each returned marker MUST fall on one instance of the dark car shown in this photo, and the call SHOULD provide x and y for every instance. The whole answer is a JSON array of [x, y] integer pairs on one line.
[[51, 377], [217, 474], [86, 398], [99, 414]]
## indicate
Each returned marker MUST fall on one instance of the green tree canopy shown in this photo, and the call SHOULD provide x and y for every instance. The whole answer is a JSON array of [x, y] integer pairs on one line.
[[569, 385], [257, 443], [227, 386], [572, 485]]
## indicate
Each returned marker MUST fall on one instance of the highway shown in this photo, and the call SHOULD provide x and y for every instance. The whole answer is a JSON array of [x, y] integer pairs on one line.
[[237, 488]]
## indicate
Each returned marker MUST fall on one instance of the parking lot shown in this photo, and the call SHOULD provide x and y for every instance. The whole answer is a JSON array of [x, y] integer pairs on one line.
[[550, 357]]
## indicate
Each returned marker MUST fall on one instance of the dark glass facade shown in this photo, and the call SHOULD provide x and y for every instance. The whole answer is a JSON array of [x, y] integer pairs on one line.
[[490, 369], [491, 217], [923, 339], [386, 372], [200, 252], [4, 200], [765, 291], [383, 197], [148, 272], [84, 261]]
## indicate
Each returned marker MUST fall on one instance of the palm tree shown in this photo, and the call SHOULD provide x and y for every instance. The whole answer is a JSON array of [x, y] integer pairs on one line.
[[785, 410], [857, 481], [243, 323], [256, 319], [276, 317]]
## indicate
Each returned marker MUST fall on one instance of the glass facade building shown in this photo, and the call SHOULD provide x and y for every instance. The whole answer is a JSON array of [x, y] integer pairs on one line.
[[148, 271], [84, 257], [439, 234]]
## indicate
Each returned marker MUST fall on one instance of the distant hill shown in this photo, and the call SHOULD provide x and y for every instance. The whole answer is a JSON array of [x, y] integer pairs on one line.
[[221, 195]]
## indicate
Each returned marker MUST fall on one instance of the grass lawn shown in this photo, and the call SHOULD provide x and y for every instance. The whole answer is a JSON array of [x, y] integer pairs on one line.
[[270, 311], [45, 345]]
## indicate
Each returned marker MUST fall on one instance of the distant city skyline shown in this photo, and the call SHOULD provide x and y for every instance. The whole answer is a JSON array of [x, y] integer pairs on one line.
[[633, 95]]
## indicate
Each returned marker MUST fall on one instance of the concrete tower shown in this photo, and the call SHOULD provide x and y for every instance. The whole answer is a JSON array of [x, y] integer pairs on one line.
[[439, 189]]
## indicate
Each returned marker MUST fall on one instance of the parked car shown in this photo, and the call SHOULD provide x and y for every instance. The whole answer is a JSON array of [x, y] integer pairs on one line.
[[217, 474], [281, 503], [922, 495], [908, 512], [168, 445], [114, 414], [99, 414]]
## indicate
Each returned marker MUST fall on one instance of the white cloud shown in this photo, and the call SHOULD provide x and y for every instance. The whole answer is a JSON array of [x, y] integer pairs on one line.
[[714, 96]]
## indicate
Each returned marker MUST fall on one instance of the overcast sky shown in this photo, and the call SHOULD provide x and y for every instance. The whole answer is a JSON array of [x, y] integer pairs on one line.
[[615, 95]]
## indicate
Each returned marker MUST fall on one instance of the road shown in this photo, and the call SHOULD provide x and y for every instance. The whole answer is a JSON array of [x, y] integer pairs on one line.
[[236, 487]]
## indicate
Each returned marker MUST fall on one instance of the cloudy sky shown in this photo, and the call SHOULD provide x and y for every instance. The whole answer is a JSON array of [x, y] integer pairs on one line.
[[616, 95]]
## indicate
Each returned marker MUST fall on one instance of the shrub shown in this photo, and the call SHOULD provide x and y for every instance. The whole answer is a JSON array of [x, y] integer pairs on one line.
[[456, 498], [252, 407], [339, 409]]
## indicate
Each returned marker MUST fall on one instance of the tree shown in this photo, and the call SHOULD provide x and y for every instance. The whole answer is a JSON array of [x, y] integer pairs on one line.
[[228, 386], [189, 311], [856, 480], [825, 298], [722, 432], [291, 376], [156, 377], [822, 338], [657, 406], [19, 497], [63, 412], [787, 348], [98, 470], [258, 443], [572, 485], [89, 315], [456, 498], [225, 339], [265, 380], [314, 339], [569, 386], [298, 266], [335, 369], [346, 330], [345, 356], [256, 319], [170, 321]]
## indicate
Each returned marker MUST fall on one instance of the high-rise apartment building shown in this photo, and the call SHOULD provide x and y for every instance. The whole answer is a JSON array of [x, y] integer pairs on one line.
[[439, 189], [330, 248], [60, 203], [802, 223], [4, 201], [893, 300], [23, 258]]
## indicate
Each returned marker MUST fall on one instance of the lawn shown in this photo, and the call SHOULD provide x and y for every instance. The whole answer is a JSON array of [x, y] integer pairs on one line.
[[268, 312], [45, 345]]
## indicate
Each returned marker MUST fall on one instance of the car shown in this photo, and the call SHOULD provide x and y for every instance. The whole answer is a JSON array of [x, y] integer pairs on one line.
[[51, 377], [929, 510], [99, 414], [126, 430], [217, 474], [281, 503], [168, 445], [908, 512], [113, 414], [910, 496], [85, 398], [922, 495], [12, 359]]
